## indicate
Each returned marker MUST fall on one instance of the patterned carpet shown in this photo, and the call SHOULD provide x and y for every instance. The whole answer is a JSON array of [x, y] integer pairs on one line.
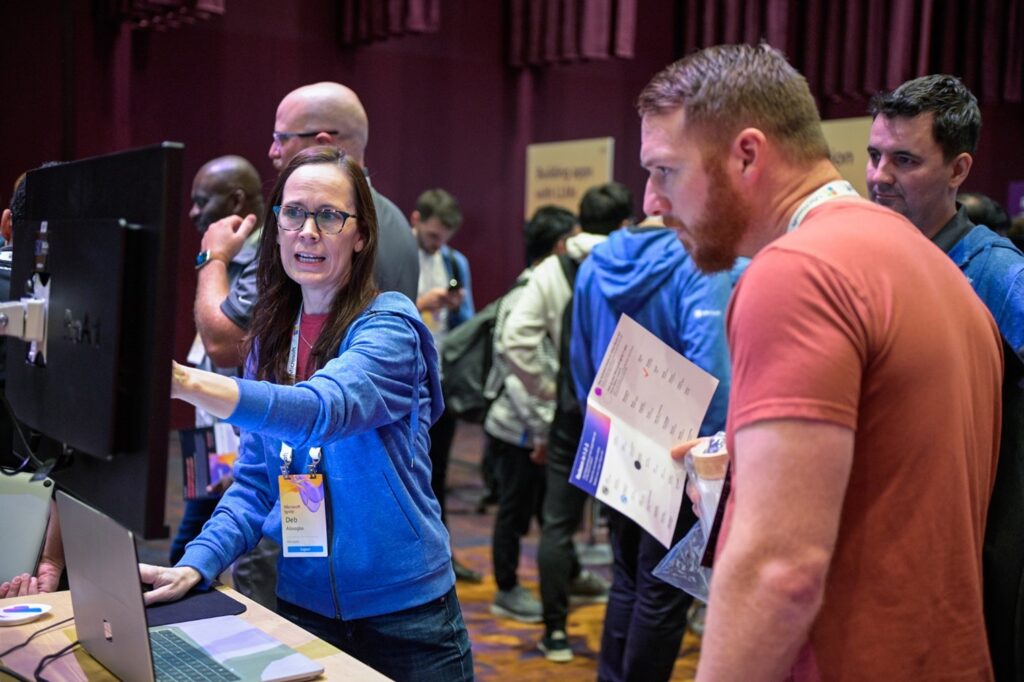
[[502, 649]]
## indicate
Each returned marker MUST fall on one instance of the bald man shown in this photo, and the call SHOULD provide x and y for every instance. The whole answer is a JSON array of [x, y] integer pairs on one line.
[[331, 114]]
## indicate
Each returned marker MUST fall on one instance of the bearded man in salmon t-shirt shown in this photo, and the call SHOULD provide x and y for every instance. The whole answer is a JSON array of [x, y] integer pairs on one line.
[[865, 408]]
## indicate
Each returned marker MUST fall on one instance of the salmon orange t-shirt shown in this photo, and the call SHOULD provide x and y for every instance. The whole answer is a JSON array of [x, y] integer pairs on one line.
[[855, 318]]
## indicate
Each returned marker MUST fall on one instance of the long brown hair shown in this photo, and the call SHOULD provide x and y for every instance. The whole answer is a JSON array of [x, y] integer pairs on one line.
[[280, 297]]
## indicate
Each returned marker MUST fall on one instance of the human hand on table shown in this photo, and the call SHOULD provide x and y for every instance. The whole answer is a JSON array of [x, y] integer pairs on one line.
[[20, 586], [169, 584], [46, 580]]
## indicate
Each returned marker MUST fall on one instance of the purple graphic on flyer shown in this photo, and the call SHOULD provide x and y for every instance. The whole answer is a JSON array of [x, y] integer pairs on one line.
[[586, 469]]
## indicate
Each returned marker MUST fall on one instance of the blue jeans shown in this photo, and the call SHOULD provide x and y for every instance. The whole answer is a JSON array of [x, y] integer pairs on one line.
[[646, 617], [427, 642]]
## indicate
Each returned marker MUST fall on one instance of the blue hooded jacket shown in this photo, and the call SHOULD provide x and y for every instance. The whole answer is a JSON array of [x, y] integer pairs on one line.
[[647, 274], [370, 410], [995, 269]]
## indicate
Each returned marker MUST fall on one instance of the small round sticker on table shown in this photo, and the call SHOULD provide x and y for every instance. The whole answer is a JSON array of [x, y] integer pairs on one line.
[[19, 614]]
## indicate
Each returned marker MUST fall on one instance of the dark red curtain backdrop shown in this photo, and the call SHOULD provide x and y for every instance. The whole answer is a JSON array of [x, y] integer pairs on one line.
[[857, 47], [446, 107], [550, 31]]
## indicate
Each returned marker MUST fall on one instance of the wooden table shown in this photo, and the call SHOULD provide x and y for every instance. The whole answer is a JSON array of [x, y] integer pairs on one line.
[[78, 665]]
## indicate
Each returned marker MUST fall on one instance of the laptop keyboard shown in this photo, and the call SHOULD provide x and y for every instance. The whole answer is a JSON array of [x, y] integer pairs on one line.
[[175, 658]]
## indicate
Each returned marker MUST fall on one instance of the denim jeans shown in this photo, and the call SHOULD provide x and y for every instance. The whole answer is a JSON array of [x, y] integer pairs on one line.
[[646, 617], [427, 643]]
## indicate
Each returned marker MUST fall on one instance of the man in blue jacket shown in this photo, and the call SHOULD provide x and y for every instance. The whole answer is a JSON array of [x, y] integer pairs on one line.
[[645, 272], [444, 298], [919, 153]]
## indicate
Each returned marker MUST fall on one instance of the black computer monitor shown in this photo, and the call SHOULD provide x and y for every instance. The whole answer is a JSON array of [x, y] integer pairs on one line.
[[99, 243]]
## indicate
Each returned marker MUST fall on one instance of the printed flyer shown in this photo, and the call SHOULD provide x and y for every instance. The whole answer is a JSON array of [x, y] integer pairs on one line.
[[645, 399]]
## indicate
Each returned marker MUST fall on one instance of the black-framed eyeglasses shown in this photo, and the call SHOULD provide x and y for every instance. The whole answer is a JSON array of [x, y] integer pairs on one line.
[[327, 220], [280, 138]]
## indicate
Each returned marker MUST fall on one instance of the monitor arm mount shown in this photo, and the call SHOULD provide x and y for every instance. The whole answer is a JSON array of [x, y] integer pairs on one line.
[[24, 319]]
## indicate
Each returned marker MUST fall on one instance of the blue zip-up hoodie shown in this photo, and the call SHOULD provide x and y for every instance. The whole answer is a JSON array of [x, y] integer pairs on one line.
[[995, 269], [647, 274], [389, 550]]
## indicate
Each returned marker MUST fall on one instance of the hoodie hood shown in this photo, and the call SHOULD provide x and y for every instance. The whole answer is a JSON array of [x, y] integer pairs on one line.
[[634, 263], [980, 239], [580, 245], [995, 269], [394, 303]]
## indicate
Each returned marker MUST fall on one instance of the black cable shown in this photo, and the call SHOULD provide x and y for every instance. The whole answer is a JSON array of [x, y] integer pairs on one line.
[[4, 670], [8, 471], [4, 654], [31, 456], [50, 658]]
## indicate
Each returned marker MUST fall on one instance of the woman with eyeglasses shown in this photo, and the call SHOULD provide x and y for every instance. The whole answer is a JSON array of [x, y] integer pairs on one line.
[[341, 388]]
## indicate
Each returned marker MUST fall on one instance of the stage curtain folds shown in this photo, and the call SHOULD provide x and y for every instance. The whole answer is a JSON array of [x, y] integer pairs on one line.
[[859, 47], [540, 32], [367, 21]]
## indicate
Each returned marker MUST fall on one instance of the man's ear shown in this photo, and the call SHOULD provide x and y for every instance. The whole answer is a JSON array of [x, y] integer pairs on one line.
[[6, 225], [961, 169], [748, 147], [414, 219], [326, 138], [237, 202]]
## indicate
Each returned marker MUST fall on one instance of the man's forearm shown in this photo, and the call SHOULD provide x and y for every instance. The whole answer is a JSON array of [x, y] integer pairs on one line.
[[783, 525], [759, 616], [221, 337]]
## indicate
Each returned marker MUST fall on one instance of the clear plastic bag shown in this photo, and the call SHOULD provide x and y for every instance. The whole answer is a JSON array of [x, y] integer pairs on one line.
[[681, 567]]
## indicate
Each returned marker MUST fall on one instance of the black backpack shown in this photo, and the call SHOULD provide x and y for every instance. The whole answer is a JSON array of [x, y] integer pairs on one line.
[[466, 361], [567, 424]]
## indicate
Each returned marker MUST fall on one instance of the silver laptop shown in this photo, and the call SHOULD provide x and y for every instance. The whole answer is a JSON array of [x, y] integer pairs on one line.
[[110, 616]]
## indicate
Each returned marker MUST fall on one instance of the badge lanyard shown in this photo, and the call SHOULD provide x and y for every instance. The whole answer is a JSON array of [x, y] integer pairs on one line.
[[293, 363], [302, 496], [836, 189]]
